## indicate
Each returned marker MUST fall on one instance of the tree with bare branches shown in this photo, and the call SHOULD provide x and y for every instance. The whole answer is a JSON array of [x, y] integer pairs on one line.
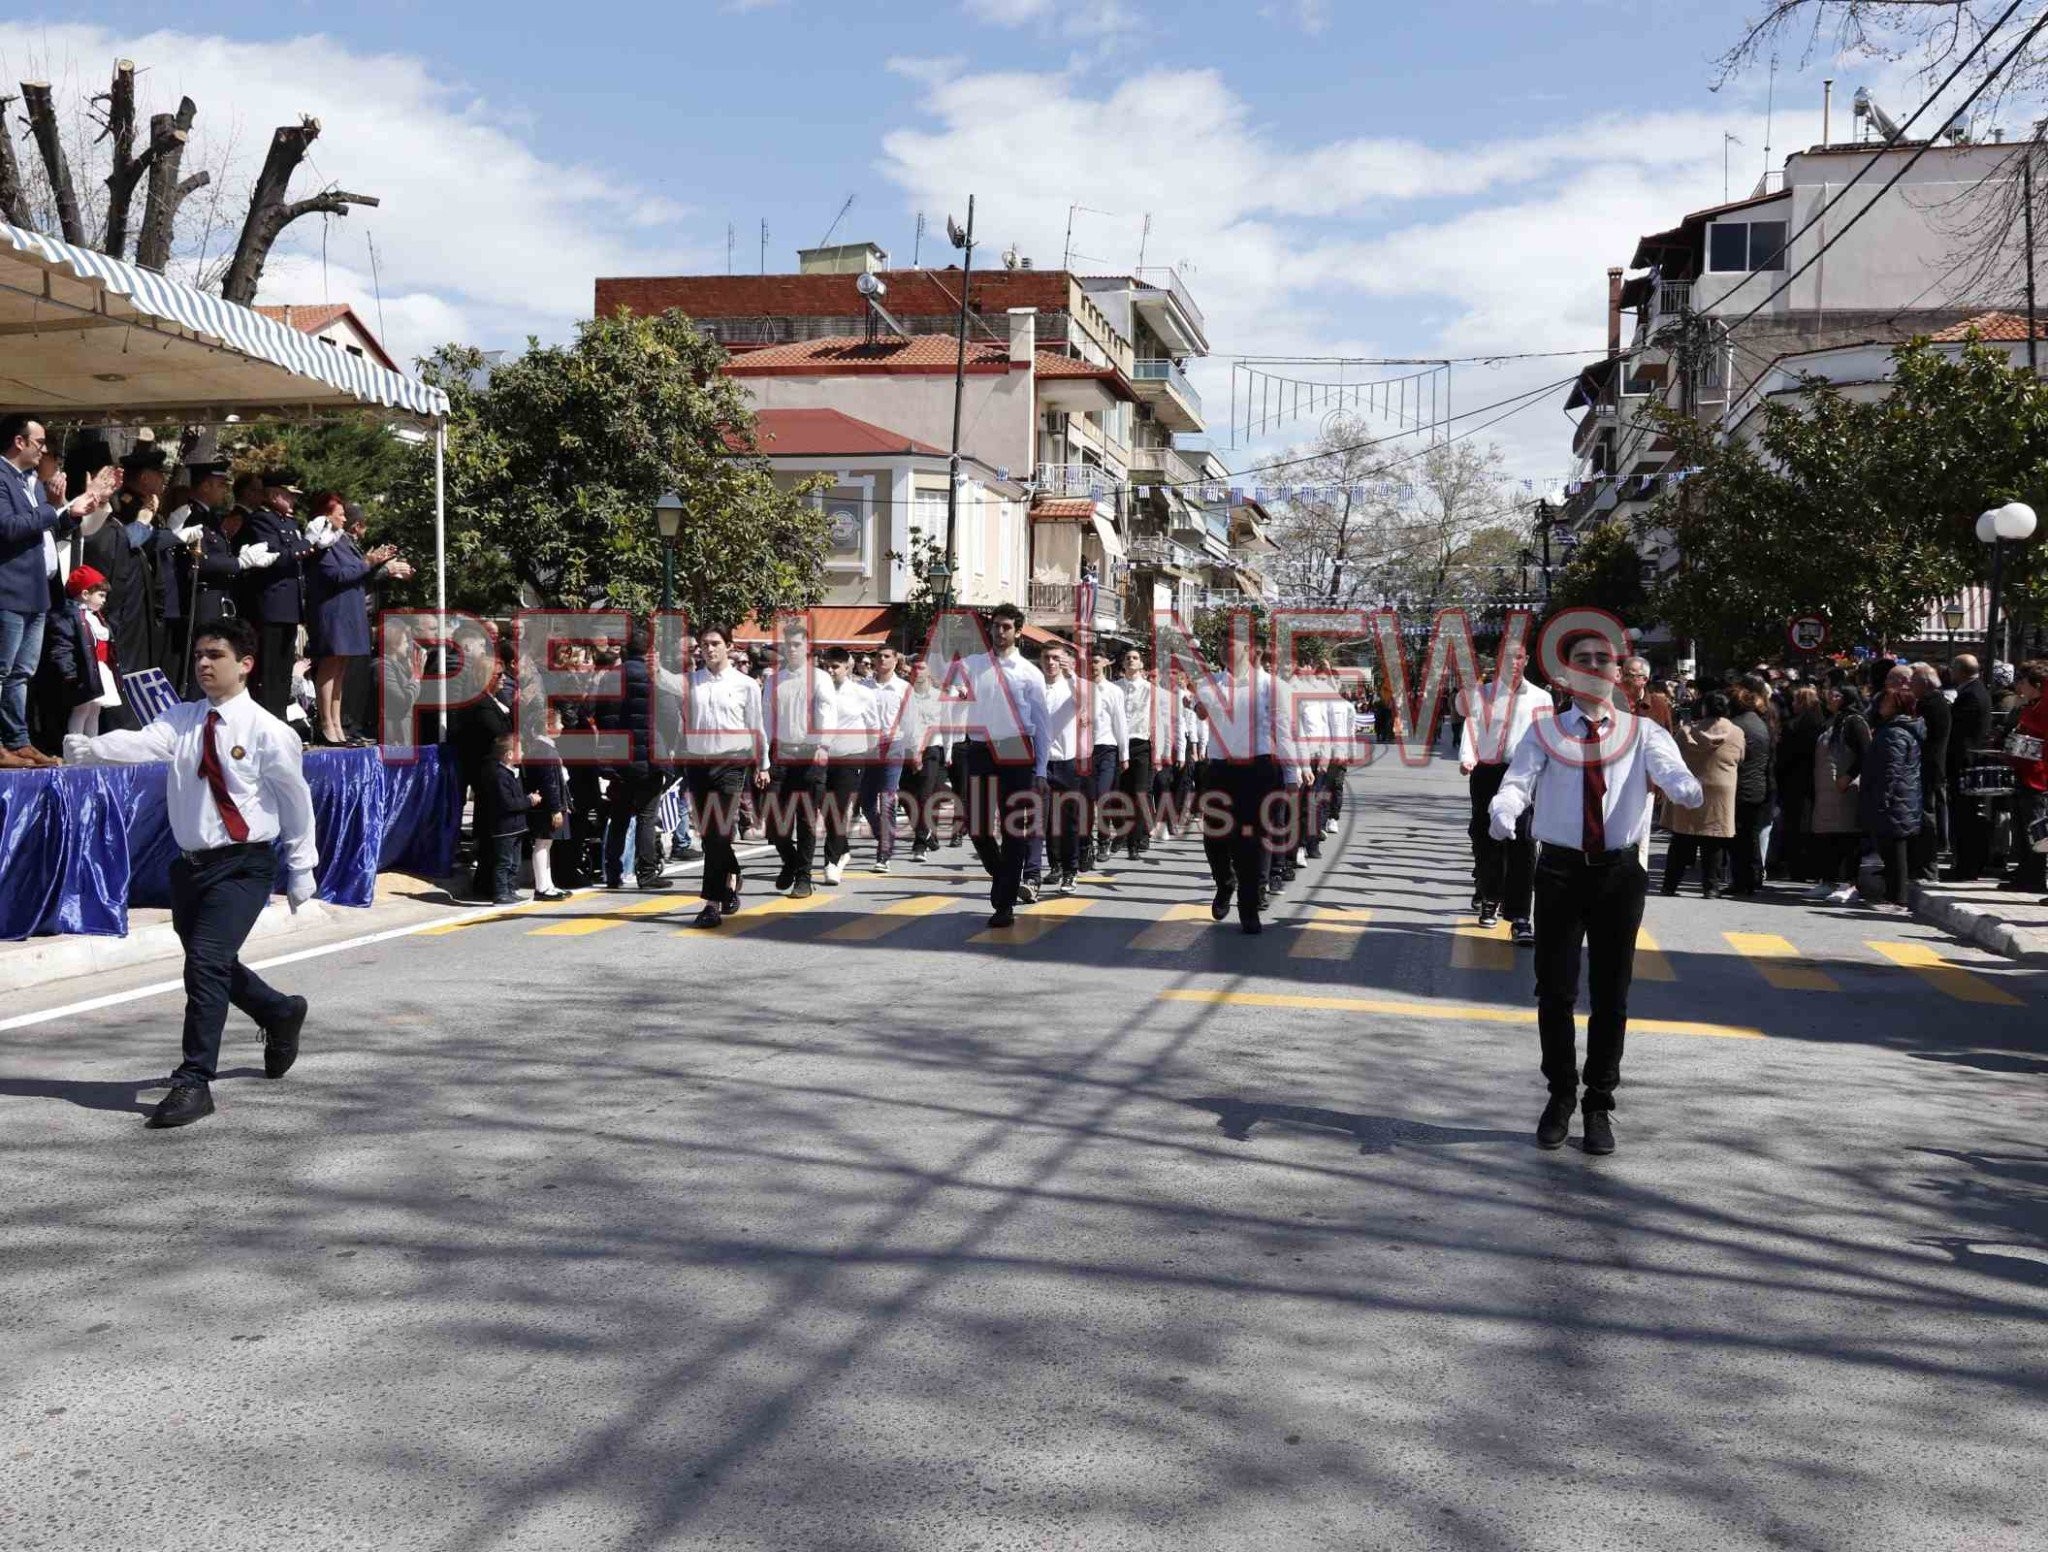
[[48, 191]]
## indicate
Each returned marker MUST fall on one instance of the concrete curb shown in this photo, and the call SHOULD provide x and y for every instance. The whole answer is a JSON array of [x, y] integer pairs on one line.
[[1979, 925], [42, 960]]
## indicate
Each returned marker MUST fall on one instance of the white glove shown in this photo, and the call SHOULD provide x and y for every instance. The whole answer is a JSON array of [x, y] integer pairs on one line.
[[187, 535], [321, 535], [1499, 830], [298, 889], [257, 556], [77, 749]]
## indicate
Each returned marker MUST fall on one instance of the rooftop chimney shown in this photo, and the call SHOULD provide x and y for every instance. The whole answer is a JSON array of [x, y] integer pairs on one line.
[[1614, 312], [1023, 336]]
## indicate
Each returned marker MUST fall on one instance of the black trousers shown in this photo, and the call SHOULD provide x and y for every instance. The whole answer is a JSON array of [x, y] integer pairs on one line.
[[715, 800], [1746, 851], [1001, 839], [931, 779], [1503, 868], [505, 855], [277, 649], [635, 799], [578, 862], [1712, 851], [1333, 788], [1894, 856], [797, 793], [1237, 852], [842, 794], [1970, 833], [1137, 786], [216, 897], [1066, 815], [1589, 909]]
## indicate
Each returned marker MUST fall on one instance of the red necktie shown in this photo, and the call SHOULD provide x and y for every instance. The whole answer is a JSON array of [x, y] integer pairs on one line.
[[1594, 798], [216, 778]]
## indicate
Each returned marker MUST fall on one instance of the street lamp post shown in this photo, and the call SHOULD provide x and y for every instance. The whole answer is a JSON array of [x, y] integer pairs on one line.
[[668, 519], [2012, 523], [964, 241]]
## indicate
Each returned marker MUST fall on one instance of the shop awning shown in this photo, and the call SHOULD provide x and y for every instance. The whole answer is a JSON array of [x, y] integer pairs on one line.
[[865, 626], [86, 337]]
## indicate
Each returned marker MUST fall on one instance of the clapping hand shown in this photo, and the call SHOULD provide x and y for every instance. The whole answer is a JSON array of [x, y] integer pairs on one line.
[[381, 554], [256, 556], [77, 749], [398, 570]]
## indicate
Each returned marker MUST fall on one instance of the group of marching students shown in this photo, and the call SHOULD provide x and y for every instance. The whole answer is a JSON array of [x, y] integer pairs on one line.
[[1052, 769]]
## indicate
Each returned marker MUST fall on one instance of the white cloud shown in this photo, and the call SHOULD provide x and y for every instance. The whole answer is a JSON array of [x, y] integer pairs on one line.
[[479, 236], [1368, 246], [1072, 18]]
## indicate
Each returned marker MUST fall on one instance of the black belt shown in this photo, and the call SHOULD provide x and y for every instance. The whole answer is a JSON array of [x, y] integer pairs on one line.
[[1589, 859], [232, 849]]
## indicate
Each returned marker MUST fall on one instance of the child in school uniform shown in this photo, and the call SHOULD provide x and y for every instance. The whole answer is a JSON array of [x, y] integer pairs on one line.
[[547, 818], [510, 803], [78, 653]]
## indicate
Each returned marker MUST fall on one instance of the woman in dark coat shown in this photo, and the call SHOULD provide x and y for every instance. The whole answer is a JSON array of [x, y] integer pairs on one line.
[[340, 612], [1890, 802], [1792, 839], [1755, 782], [1838, 759]]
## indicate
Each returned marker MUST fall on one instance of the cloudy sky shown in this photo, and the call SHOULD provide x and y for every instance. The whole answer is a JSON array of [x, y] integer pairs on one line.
[[1334, 179]]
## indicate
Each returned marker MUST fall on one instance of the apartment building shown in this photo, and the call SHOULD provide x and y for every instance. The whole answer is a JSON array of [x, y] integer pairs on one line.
[[1076, 390], [1709, 331]]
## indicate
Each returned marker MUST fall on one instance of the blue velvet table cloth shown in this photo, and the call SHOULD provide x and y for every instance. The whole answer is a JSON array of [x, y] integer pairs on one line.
[[79, 846]]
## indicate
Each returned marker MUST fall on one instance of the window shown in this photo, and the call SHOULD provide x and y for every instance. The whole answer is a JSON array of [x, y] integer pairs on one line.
[[1739, 246]]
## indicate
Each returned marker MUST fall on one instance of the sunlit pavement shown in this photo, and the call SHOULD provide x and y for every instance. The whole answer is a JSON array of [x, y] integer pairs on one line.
[[855, 1226]]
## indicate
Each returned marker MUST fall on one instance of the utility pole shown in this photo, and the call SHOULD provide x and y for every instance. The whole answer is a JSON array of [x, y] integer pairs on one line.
[[2027, 197], [964, 241]]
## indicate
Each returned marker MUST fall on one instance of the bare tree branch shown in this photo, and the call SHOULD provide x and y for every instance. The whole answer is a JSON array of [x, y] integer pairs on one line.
[[168, 136], [270, 212], [13, 196], [127, 168], [42, 119]]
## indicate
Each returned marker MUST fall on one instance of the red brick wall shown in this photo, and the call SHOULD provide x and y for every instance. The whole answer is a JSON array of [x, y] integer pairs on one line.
[[911, 294]]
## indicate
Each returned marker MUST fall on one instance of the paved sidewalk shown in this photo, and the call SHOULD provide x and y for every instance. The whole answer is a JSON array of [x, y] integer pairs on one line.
[[2008, 923]]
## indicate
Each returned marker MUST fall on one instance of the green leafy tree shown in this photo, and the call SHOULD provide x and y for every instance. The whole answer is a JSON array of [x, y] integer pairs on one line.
[[1605, 572], [1862, 511], [555, 461]]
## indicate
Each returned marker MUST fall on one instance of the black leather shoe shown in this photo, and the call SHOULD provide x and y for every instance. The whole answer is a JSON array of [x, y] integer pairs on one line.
[[784, 879], [1599, 1132], [1220, 906], [1524, 930], [653, 881], [281, 1042], [186, 1103], [710, 916], [801, 890], [1489, 916], [1556, 1121], [1002, 919], [1251, 927]]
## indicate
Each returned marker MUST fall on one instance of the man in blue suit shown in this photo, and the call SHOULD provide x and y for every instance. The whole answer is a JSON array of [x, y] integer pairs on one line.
[[276, 599], [26, 514]]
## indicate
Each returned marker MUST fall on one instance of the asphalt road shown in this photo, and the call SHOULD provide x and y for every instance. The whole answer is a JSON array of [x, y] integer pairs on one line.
[[574, 1229]]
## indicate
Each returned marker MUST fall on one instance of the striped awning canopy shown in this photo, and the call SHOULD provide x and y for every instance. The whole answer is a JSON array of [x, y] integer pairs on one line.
[[86, 337], [1974, 603]]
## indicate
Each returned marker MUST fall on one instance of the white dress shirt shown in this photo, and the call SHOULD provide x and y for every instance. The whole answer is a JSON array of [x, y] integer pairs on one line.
[[261, 762], [1008, 707], [796, 710], [1061, 709], [724, 718], [1240, 713], [1138, 703], [1548, 773], [1112, 717], [853, 727], [1485, 745], [925, 725], [894, 716]]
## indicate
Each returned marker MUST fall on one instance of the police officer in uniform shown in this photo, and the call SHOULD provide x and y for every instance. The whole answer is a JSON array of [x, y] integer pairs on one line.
[[275, 597]]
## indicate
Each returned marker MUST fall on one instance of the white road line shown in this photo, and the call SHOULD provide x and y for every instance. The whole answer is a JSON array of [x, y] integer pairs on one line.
[[160, 988]]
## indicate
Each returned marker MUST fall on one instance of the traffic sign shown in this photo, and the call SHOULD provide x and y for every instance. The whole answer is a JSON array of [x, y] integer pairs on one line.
[[1808, 633]]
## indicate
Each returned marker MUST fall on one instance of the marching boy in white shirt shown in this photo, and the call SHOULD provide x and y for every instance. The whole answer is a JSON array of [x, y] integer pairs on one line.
[[235, 788]]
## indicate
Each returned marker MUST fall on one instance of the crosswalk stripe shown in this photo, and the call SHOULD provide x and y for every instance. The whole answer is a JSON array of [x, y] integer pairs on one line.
[[611, 916], [1034, 922], [1780, 964], [753, 916], [1461, 1012], [1180, 928], [1477, 948], [1334, 932], [445, 928], [890, 918], [1651, 965], [1950, 979]]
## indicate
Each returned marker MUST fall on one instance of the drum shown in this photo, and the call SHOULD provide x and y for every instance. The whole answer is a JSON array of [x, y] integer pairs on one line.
[[1986, 781]]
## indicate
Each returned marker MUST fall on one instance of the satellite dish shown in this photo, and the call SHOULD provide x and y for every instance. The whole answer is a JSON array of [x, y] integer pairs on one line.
[[1010, 257], [870, 285], [954, 235]]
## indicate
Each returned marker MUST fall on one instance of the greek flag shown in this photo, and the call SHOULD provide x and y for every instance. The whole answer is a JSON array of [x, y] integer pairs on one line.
[[150, 693], [672, 809]]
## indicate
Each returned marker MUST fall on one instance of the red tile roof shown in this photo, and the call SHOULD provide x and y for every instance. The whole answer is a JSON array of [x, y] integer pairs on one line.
[[861, 626], [1993, 328], [920, 353], [830, 434], [311, 318], [1063, 509]]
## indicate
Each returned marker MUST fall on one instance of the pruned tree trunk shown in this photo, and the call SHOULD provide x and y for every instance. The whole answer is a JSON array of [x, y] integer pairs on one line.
[[168, 133], [127, 168], [13, 197], [42, 119], [270, 212]]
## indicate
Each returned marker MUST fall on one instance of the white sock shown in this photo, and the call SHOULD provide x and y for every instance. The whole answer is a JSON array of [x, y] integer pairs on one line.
[[543, 867]]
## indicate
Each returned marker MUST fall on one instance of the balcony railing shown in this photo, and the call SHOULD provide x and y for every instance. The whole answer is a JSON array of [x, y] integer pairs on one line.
[[1054, 603], [1155, 550], [1166, 372], [1174, 467], [1168, 279], [1078, 479]]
